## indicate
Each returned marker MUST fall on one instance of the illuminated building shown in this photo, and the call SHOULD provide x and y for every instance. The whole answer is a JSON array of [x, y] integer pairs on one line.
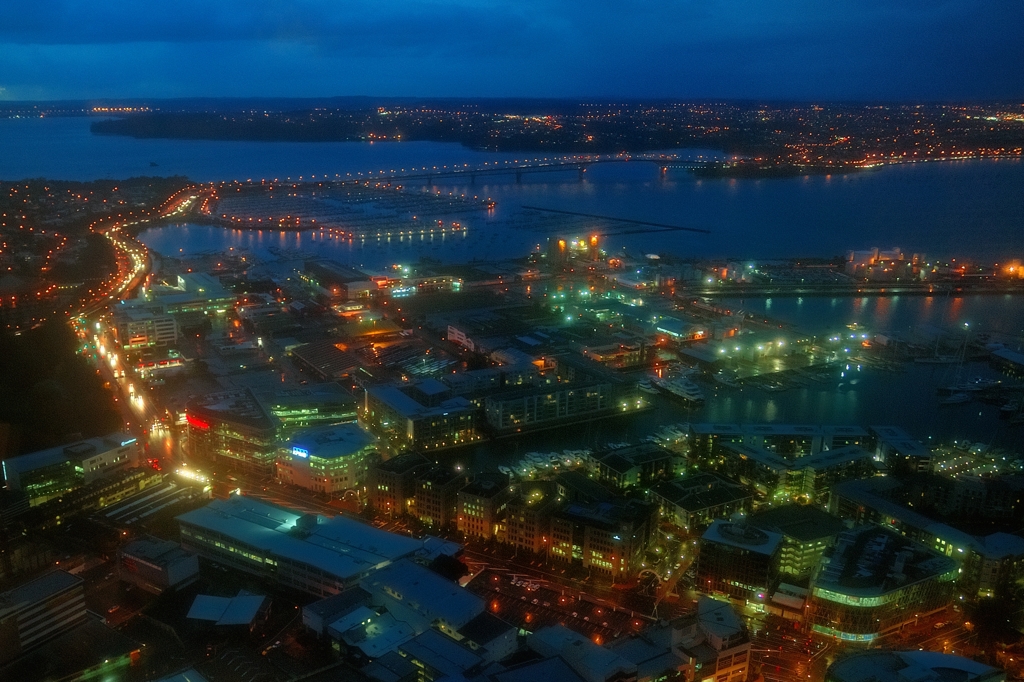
[[327, 459], [790, 441], [191, 293], [528, 521], [143, 329], [419, 417], [326, 359], [317, 555], [334, 280], [874, 582], [435, 496], [307, 406], [696, 500], [47, 474], [232, 428], [637, 465], [738, 560], [1010, 362], [156, 565], [904, 666], [991, 564], [900, 451], [579, 389], [391, 483], [806, 533], [243, 429], [609, 537], [482, 505], [39, 611], [547, 406], [119, 485], [810, 477]]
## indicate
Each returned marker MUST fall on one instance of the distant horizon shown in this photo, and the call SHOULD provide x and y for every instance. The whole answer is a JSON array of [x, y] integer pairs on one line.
[[611, 100]]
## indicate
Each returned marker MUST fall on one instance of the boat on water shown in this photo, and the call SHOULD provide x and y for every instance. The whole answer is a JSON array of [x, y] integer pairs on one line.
[[937, 360], [1013, 410], [646, 387], [975, 385], [957, 399], [681, 388], [725, 380]]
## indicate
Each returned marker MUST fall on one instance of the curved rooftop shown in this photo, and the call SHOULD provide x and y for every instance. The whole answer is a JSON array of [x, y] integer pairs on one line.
[[331, 442], [910, 666]]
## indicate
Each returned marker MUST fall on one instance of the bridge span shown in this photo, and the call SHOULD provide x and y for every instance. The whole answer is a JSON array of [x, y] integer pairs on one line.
[[547, 165]]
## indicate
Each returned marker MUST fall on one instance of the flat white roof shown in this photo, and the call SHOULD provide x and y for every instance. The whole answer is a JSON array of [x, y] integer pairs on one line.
[[339, 546]]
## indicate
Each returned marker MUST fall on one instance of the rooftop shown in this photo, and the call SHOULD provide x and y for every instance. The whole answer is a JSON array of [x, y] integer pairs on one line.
[[553, 668], [484, 628], [240, 610], [872, 560], [339, 546], [700, 491], [427, 594], [873, 493], [408, 408], [239, 406], [743, 536], [391, 667], [718, 618], [441, 653], [155, 550], [69, 452], [331, 442], [910, 666], [486, 485], [800, 522], [327, 357], [37, 590], [584, 656], [378, 636], [403, 463], [343, 602]]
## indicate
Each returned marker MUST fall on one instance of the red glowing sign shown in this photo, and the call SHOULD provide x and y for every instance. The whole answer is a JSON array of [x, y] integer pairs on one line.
[[196, 421]]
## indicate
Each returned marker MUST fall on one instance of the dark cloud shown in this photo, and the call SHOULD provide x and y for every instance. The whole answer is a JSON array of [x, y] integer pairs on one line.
[[673, 48]]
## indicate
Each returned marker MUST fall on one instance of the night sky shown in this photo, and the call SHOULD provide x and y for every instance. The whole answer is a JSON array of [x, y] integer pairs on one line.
[[799, 49]]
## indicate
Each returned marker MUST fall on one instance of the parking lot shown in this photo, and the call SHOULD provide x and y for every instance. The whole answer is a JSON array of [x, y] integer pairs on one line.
[[531, 604]]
